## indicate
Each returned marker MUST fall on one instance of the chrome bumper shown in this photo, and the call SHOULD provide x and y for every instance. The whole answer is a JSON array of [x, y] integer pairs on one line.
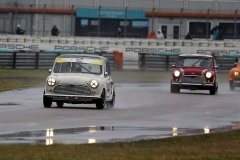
[[72, 97], [193, 84]]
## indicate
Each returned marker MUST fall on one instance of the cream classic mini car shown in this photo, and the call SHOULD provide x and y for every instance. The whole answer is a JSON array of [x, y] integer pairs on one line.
[[194, 72], [79, 78]]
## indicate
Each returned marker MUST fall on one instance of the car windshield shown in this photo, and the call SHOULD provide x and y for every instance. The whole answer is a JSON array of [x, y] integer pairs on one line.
[[78, 65], [195, 62]]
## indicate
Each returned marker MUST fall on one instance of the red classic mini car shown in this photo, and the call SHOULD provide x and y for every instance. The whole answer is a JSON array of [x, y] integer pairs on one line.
[[194, 72]]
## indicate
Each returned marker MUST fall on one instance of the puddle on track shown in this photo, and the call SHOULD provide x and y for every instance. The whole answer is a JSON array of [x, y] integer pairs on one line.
[[100, 134]]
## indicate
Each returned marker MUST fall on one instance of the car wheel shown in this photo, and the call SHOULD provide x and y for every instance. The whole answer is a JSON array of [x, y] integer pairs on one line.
[[214, 89], [112, 102], [47, 102], [232, 88], [60, 104], [100, 104], [175, 89]]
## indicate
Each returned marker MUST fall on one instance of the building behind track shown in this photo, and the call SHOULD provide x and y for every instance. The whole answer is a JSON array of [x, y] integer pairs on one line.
[[136, 18]]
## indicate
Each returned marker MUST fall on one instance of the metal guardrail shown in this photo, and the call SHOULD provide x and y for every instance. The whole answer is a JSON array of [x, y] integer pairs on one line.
[[164, 61], [157, 61], [43, 59], [18, 59]]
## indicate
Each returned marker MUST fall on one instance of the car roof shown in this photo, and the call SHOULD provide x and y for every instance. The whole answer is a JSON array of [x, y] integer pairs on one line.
[[81, 55], [195, 55]]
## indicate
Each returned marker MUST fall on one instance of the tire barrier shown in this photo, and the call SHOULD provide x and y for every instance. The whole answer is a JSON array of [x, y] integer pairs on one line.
[[120, 41], [62, 41]]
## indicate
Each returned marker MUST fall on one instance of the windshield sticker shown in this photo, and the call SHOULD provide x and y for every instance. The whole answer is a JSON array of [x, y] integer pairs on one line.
[[89, 61], [81, 60], [63, 60]]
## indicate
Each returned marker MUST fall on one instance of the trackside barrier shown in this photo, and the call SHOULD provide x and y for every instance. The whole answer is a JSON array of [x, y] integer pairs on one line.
[[116, 41], [118, 59], [157, 61], [44, 59], [164, 61]]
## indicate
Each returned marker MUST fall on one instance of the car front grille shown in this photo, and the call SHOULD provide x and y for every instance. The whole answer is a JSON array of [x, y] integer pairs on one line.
[[192, 79], [236, 78], [72, 90]]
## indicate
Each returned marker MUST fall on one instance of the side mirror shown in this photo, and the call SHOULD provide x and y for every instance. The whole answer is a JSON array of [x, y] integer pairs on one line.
[[106, 74], [50, 70], [215, 67], [174, 65]]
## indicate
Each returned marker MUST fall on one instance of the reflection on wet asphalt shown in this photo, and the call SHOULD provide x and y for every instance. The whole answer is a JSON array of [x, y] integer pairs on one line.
[[84, 135]]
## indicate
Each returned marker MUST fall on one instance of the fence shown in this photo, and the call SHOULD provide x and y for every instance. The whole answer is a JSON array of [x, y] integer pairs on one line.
[[164, 61], [146, 61], [45, 59]]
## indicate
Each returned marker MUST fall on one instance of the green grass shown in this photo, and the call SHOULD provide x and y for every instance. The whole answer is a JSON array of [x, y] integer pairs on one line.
[[218, 146], [17, 79]]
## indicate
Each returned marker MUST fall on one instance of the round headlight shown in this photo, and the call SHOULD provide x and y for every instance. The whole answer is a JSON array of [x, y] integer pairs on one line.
[[176, 73], [209, 74], [51, 81], [94, 84], [236, 74]]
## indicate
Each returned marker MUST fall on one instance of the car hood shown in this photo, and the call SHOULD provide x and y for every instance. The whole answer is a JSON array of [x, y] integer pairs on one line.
[[75, 79], [193, 71]]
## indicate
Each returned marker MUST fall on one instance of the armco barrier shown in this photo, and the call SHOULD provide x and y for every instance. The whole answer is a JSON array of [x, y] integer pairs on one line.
[[156, 61], [146, 61], [44, 59]]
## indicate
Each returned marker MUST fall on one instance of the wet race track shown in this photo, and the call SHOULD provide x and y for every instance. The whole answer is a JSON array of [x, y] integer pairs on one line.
[[142, 111]]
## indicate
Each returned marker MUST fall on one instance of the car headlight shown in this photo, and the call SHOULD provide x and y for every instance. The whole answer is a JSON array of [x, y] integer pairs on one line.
[[51, 81], [236, 74], [209, 74], [94, 83], [176, 73]]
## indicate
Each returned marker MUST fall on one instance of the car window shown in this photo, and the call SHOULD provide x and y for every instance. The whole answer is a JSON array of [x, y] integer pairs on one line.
[[78, 65], [195, 62], [108, 70]]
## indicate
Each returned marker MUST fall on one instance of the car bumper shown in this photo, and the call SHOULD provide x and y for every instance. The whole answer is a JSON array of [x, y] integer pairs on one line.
[[72, 98], [236, 83], [202, 86], [193, 84]]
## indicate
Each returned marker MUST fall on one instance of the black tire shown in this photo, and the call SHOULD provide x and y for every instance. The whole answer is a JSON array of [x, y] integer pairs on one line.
[[47, 102], [231, 86], [112, 102], [214, 89], [100, 104], [60, 104], [175, 89]]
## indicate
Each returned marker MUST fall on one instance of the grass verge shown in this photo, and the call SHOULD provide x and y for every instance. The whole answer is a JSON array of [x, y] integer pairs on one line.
[[217, 146], [17, 79]]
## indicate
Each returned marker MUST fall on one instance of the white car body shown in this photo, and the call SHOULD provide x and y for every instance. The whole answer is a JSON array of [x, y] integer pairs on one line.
[[79, 78]]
